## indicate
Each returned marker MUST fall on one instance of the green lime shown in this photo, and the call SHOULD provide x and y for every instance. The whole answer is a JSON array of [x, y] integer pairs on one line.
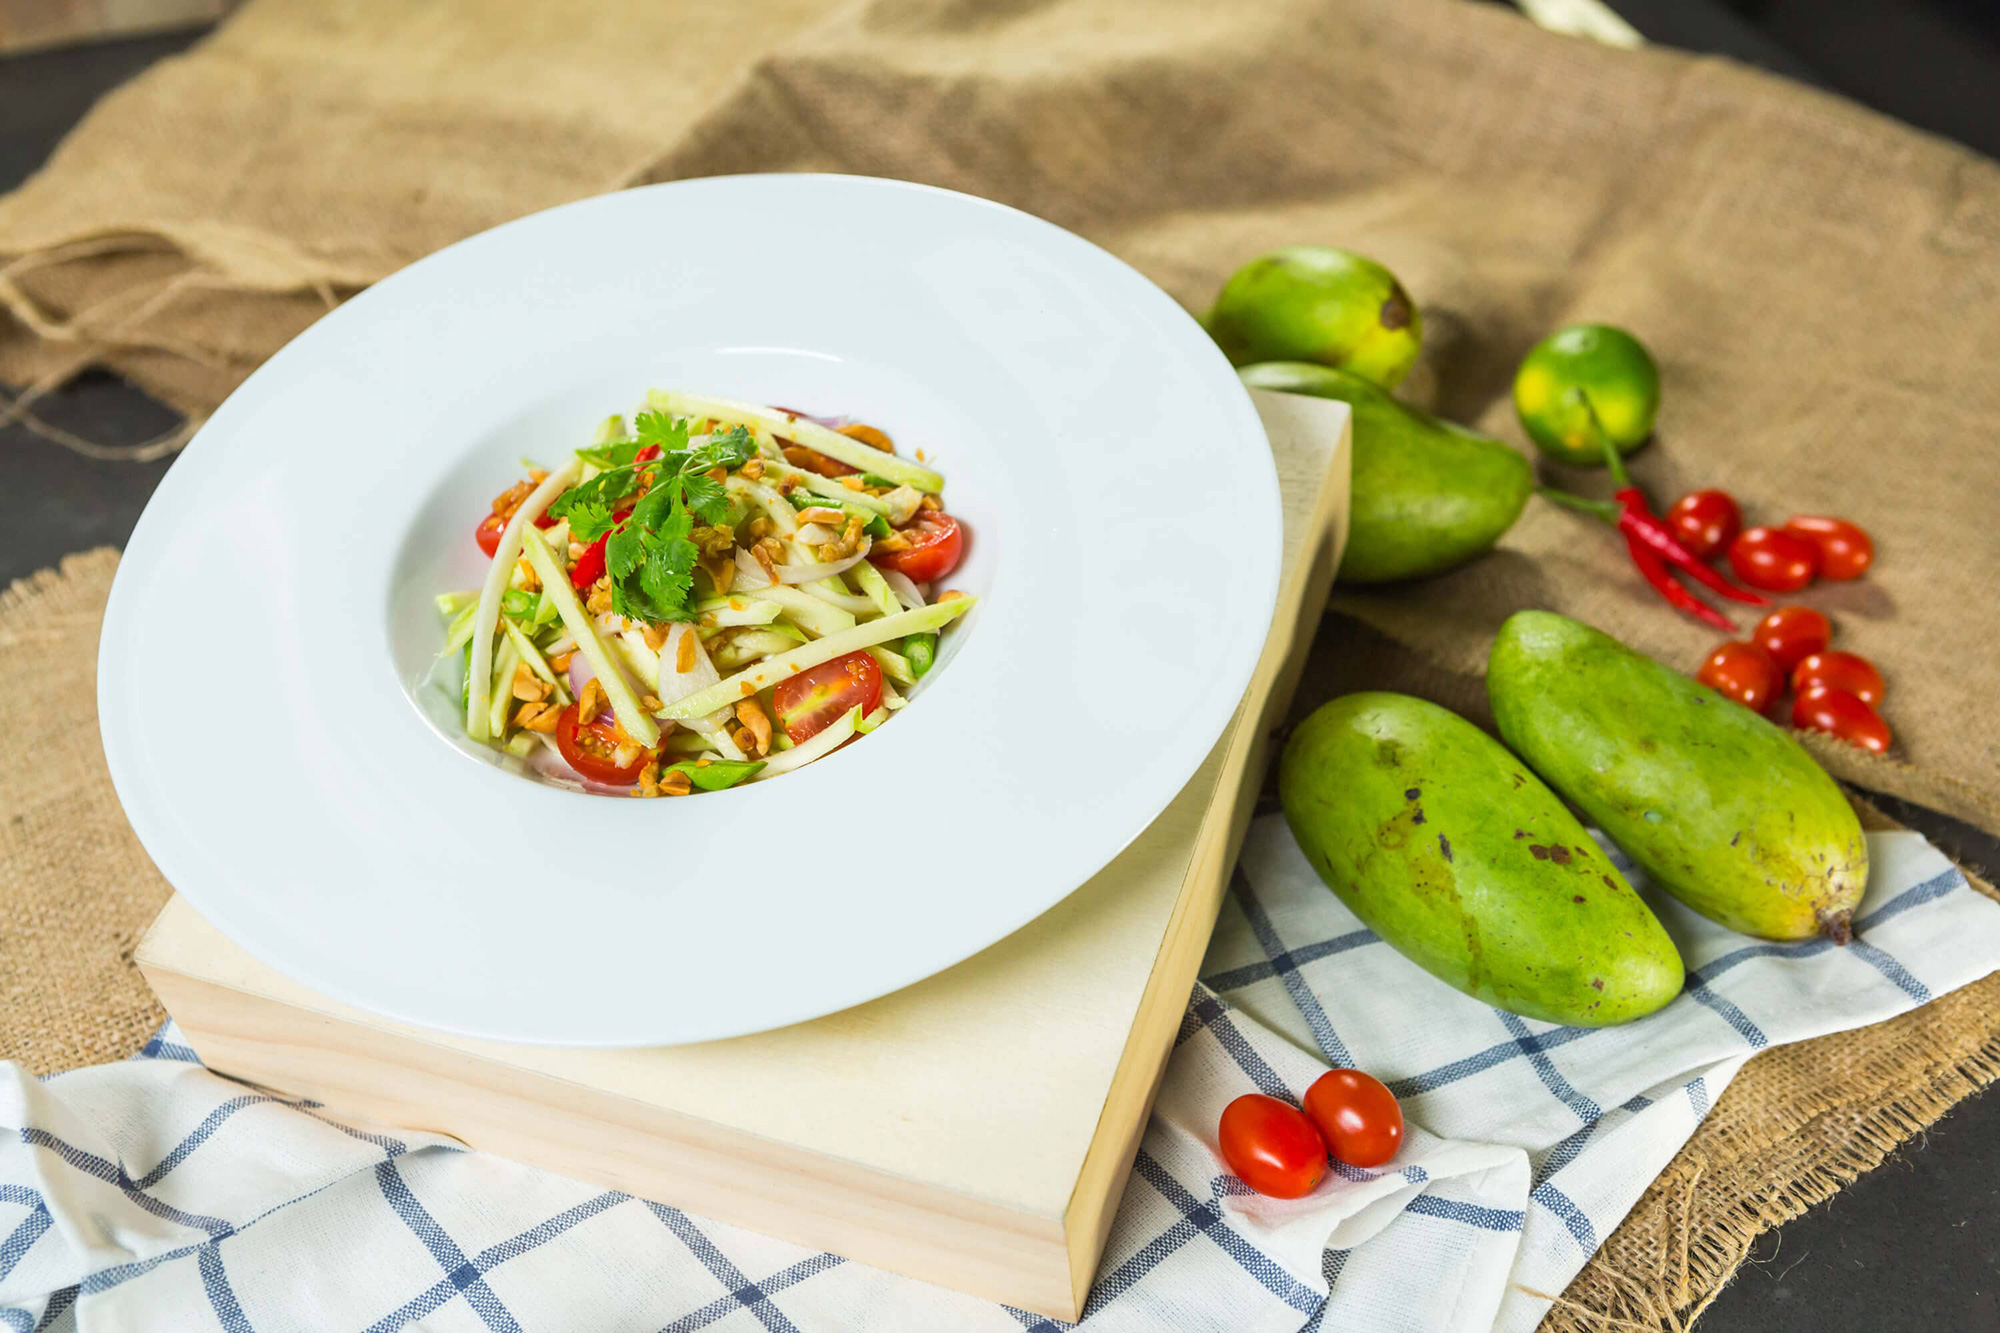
[[1583, 379], [1316, 303]]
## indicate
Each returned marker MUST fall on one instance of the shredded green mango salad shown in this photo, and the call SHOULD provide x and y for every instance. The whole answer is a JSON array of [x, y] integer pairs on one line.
[[715, 593]]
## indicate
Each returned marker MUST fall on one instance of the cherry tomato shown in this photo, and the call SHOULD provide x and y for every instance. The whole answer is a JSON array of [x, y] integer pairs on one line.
[[1791, 634], [488, 534], [593, 750], [1706, 522], [1845, 551], [1822, 708], [1743, 672], [490, 528], [1840, 671], [1356, 1115], [1271, 1146], [1774, 560], [814, 700], [647, 453], [936, 545]]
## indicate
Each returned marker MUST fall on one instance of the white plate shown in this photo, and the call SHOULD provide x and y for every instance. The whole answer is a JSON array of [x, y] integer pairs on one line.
[[260, 675]]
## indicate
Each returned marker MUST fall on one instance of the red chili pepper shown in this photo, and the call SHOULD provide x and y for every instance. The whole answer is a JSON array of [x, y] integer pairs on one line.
[[1655, 572], [1636, 520], [589, 566], [1653, 545]]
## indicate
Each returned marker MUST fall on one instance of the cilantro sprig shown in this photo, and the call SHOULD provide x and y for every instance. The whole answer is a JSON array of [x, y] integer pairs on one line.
[[650, 552]]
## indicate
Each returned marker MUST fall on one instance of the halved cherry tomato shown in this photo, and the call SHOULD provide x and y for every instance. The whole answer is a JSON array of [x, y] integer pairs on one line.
[[1271, 1146], [1822, 708], [589, 566], [1845, 550], [488, 534], [1791, 634], [593, 750], [814, 700], [936, 545], [1774, 560], [1706, 521], [1840, 671], [1356, 1115], [1743, 672]]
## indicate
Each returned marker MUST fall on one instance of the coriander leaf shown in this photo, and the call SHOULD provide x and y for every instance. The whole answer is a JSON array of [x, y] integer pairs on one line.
[[669, 433], [625, 551], [727, 448], [616, 454], [706, 497], [652, 511], [589, 505], [628, 600], [588, 527], [676, 526], [667, 576]]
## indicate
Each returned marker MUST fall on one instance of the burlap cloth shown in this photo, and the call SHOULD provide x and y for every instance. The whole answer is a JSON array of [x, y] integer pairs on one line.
[[1821, 286]]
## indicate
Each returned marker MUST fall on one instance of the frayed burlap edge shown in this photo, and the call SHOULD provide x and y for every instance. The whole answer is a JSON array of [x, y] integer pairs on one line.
[[112, 332], [76, 889]]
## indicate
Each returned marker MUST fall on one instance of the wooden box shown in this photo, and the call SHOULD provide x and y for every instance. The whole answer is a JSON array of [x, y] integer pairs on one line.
[[851, 1133]]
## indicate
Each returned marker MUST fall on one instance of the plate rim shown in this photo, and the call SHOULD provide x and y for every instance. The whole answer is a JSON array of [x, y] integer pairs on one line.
[[1209, 717]]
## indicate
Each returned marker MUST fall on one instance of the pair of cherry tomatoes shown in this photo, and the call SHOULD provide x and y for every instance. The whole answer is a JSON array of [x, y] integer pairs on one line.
[[1786, 559], [1279, 1150], [1834, 692]]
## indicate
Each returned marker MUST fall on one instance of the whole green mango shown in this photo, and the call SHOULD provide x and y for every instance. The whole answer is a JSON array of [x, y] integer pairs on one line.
[[1316, 303], [1427, 495], [1719, 807], [1452, 851]]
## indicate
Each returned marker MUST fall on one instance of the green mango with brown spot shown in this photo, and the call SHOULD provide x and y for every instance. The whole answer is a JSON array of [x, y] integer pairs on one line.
[[1719, 807], [1317, 303], [1457, 855]]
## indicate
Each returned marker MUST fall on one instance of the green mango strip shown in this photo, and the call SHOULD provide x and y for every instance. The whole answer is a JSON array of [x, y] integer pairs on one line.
[[716, 774]]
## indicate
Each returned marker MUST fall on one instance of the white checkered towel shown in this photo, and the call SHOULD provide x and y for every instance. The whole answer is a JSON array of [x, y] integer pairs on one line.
[[155, 1195]]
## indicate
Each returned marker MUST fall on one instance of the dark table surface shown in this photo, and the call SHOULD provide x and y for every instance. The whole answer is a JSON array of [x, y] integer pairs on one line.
[[1912, 1245]]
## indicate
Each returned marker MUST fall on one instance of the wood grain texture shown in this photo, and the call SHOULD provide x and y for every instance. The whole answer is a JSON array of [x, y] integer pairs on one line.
[[1045, 1049]]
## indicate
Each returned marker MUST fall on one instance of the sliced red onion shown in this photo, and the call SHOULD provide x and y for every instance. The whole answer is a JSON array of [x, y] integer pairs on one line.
[[581, 673], [751, 575], [831, 423], [907, 592], [813, 573]]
